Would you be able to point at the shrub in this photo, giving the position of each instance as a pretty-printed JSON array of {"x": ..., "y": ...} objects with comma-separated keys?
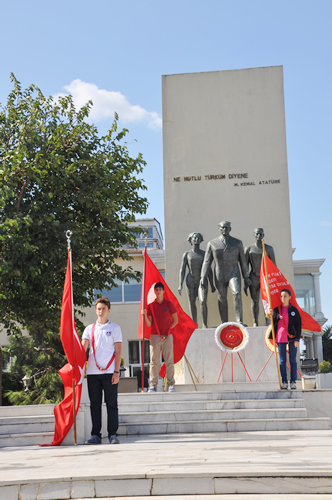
[{"x": 325, "y": 367}]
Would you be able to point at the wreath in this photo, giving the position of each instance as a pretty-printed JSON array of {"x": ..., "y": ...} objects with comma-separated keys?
[
  {"x": 269, "y": 340},
  {"x": 231, "y": 337}
]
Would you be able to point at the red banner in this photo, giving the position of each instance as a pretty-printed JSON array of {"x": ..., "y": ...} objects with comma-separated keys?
[
  {"x": 74, "y": 369},
  {"x": 185, "y": 327},
  {"x": 277, "y": 282}
]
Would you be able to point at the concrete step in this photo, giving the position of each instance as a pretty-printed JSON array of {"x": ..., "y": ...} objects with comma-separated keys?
[
  {"x": 26, "y": 424},
  {"x": 26, "y": 439},
  {"x": 232, "y": 386},
  {"x": 209, "y": 405},
  {"x": 143, "y": 397},
  {"x": 204, "y": 426},
  {"x": 27, "y": 410},
  {"x": 218, "y": 415}
]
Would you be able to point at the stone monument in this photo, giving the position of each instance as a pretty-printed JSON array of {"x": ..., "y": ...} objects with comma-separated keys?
[{"x": 224, "y": 148}]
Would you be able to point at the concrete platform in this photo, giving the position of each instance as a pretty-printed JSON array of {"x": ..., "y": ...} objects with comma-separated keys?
[{"x": 218, "y": 464}]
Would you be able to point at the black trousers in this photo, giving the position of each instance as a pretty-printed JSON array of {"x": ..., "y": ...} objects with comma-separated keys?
[{"x": 96, "y": 385}]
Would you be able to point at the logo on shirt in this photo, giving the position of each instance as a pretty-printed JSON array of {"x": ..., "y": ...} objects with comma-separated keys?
[
  {"x": 108, "y": 333},
  {"x": 292, "y": 313},
  {"x": 166, "y": 309}
]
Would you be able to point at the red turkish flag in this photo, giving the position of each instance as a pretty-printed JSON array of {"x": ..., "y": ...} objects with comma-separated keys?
[
  {"x": 185, "y": 327},
  {"x": 74, "y": 369},
  {"x": 277, "y": 282}
]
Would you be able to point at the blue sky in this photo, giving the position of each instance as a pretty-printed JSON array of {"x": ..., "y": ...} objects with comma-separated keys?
[{"x": 116, "y": 52}]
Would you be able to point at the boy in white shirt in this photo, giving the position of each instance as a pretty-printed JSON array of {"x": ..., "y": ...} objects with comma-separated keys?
[{"x": 104, "y": 339}]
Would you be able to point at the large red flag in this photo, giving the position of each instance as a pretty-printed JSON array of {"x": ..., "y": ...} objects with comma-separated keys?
[
  {"x": 185, "y": 327},
  {"x": 277, "y": 282},
  {"x": 75, "y": 367}
]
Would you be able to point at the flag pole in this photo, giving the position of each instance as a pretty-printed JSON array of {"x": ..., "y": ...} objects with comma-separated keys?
[
  {"x": 144, "y": 307},
  {"x": 271, "y": 315},
  {"x": 68, "y": 236}
]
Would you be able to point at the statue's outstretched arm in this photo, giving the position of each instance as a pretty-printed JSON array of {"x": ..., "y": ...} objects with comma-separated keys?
[
  {"x": 244, "y": 269},
  {"x": 213, "y": 288},
  {"x": 272, "y": 256},
  {"x": 247, "y": 256},
  {"x": 206, "y": 267},
  {"x": 182, "y": 271}
]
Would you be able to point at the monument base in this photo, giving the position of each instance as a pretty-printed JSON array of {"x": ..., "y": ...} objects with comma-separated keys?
[{"x": 206, "y": 359}]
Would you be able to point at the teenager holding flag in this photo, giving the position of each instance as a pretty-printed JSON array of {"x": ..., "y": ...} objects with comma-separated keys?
[
  {"x": 161, "y": 316},
  {"x": 180, "y": 331},
  {"x": 287, "y": 324}
]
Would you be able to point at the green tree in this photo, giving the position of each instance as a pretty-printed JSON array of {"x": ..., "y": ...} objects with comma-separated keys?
[
  {"x": 38, "y": 363},
  {"x": 327, "y": 343},
  {"x": 58, "y": 174}
]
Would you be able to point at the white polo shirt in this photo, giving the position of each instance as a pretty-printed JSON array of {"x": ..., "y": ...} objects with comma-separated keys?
[{"x": 106, "y": 336}]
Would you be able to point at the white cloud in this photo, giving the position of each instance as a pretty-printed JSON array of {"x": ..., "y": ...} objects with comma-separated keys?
[{"x": 106, "y": 103}]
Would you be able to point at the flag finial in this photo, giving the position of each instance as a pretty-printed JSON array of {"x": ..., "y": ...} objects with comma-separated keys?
[
  {"x": 68, "y": 236},
  {"x": 145, "y": 235}
]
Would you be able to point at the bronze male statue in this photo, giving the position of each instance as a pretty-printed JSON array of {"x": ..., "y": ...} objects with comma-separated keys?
[
  {"x": 227, "y": 253},
  {"x": 253, "y": 254},
  {"x": 194, "y": 261}
]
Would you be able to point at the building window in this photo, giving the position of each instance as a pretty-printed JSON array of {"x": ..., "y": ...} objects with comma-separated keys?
[
  {"x": 124, "y": 292},
  {"x": 135, "y": 356},
  {"x": 149, "y": 244},
  {"x": 114, "y": 295},
  {"x": 305, "y": 294},
  {"x": 132, "y": 291}
]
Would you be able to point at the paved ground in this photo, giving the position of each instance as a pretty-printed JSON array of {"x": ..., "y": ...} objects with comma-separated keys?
[
  {"x": 293, "y": 464},
  {"x": 229, "y": 497}
]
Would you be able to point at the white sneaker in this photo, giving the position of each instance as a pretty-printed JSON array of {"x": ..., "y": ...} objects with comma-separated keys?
[
  {"x": 293, "y": 385},
  {"x": 171, "y": 388},
  {"x": 284, "y": 385},
  {"x": 152, "y": 389}
]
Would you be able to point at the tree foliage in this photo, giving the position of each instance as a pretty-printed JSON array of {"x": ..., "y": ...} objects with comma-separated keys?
[
  {"x": 327, "y": 343},
  {"x": 58, "y": 174},
  {"x": 40, "y": 364}
]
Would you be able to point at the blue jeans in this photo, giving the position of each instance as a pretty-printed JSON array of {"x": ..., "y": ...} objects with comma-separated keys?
[{"x": 292, "y": 360}]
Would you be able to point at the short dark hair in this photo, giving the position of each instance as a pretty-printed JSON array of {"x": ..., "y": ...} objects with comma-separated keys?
[
  {"x": 159, "y": 285},
  {"x": 287, "y": 291},
  {"x": 103, "y": 300}
]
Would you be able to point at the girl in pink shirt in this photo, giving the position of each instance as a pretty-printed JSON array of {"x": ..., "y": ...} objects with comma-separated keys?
[{"x": 287, "y": 324}]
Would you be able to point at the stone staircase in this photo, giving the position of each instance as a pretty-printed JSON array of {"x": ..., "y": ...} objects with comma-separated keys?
[
  {"x": 215, "y": 411},
  {"x": 26, "y": 425},
  {"x": 216, "y": 408}
]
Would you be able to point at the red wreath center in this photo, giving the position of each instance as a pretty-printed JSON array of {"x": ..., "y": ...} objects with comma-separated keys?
[{"x": 231, "y": 336}]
